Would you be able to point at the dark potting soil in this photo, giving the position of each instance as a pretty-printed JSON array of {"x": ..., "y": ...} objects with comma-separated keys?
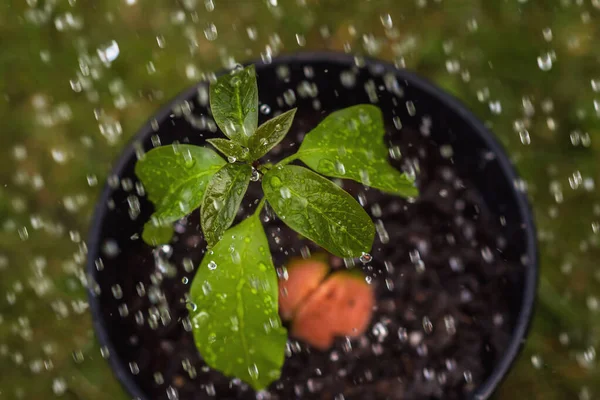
[{"x": 446, "y": 272}]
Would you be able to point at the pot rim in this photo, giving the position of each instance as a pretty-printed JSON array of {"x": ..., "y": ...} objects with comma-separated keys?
[{"x": 499, "y": 372}]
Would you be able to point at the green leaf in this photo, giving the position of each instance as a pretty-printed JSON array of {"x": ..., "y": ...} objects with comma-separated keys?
[
  {"x": 234, "y": 315},
  {"x": 319, "y": 210},
  {"x": 269, "y": 134},
  {"x": 232, "y": 150},
  {"x": 234, "y": 104},
  {"x": 156, "y": 233},
  {"x": 349, "y": 144},
  {"x": 223, "y": 196},
  {"x": 175, "y": 178}
]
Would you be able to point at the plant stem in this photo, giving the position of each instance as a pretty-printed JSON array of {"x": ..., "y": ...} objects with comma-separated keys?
[
  {"x": 260, "y": 206},
  {"x": 263, "y": 168},
  {"x": 287, "y": 160}
]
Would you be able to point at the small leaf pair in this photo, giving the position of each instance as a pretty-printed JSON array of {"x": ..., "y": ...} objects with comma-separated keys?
[
  {"x": 234, "y": 104},
  {"x": 267, "y": 136},
  {"x": 227, "y": 188}
]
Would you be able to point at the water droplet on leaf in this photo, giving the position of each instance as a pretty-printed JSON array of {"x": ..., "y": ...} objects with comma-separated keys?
[
  {"x": 275, "y": 182},
  {"x": 285, "y": 193},
  {"x": 340, "y": 168},
  {"x": 253, "y": 371}
]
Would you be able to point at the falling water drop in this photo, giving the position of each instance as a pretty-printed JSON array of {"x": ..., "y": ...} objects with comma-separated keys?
[
  {"x": 366, "y": 258},
  {"x": 290, "y": 97},
  {"x": 427, "y": 325},
  {"x": 544, "y": 62},
  {"x": 386, "y": 21},
  {"x": 109, "y": 52},
  {"x": 348, "y": 79},
  {"x": 59, "y": 386},
  {"x": 210, "y": 32},
  {"x": 134, "y": 368},
  {"x": 265, "y": 109},
  {"x": 524, "y": 136},
  {"x": 172, "y": 393},
  {"x": 536, "y": 361},
  {"x": 380, "y": 331},
  {"x": 300, "y": 39},
  {"x": 495, "y": 107}
]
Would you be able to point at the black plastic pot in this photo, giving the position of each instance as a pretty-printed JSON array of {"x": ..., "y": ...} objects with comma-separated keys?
[{"x": 475, "y": 155}]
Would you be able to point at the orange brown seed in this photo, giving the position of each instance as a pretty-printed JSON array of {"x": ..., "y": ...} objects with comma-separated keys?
[
  {"x": 304, "y": 276},
  {"x": 341, "y": 306},
  {"x": 356, "y": 306}
]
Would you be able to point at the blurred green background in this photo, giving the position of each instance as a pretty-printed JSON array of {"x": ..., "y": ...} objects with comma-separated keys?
[{"x": 529, "y": 68}]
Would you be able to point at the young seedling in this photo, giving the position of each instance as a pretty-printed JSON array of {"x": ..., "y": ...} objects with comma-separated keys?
[{"x": 234, "y": 295}]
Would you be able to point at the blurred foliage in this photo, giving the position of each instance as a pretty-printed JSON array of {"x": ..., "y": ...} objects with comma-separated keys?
[{"x": 66, "y": 116}]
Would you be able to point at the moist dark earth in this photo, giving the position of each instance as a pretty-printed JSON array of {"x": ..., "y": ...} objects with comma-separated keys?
[{"x": 446, "y": 272}]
